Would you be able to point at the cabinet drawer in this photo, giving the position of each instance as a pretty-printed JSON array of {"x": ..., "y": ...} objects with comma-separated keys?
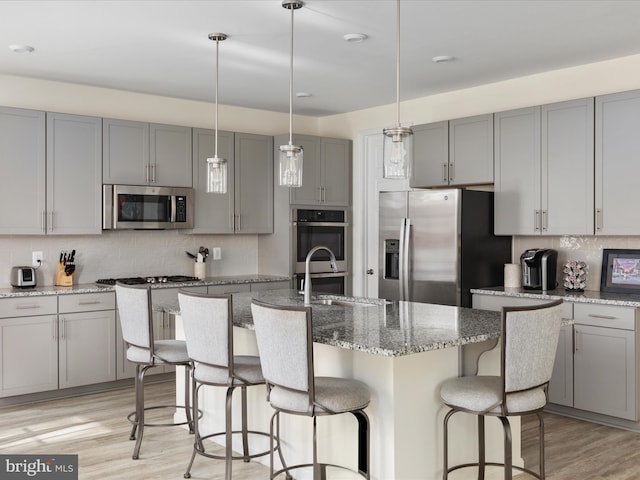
[
  {"x": 28, "y": 306},
  {"x": 87, "y": 302},
  {"x": 605, "y": 316}
]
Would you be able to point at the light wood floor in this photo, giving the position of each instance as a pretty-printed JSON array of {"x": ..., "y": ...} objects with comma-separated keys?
[{"x": 95, "y": 428}]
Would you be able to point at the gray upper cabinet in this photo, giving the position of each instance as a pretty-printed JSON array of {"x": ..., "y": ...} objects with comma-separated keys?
[
  {"x": 326, "y": 171},
  {"x": 49, "y": 173},
  {"x": 247, "y": 207},
  {"x": 74, "y": 171},
  {"x": 544, "y": 169},
  {"x": 22, "y": 159},
  {"x": 138, "y": 153},
  {"x": 454, "y": 152},
  {"x": 617, "y": 163}
]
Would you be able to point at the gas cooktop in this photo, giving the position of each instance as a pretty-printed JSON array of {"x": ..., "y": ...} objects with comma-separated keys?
[{"x": 150, "y": 280}]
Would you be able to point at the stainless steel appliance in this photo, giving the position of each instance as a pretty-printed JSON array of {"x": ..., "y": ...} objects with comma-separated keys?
[
  {"x": 144, "y": 207},
  {"x": 435, "y": 245},
  {"x": 539, "y": 269},
  {"x": 329, "y": 228},
  {"x": 23, "y": 277}
]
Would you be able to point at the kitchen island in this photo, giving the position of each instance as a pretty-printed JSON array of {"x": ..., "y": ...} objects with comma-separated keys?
[{"x": 403, "y": 351}]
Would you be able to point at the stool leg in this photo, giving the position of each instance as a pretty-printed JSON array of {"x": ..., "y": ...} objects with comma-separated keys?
[
  {"x": 197, "y": 441},
  {"x": 140, "y": 371},
  {"x": 481, "y": 448},
  {"x": 445, "y": 433},
  {"x": 508, "y": 460},
  {"x": 245, "y": 434},
  {"x": 136, "y": 388},
  {"x": 363, "y": 442},
  {"x": 541, "y": 446},
  {"x": 228, "y": 433},
  {"x": 187, "y": 394}
]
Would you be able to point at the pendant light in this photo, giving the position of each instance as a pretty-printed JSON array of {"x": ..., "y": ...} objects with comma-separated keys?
[
  {"x": 398, "y": 146},
  {"x": 216, "y": 166},
  {"x": 290, "y": 172}
]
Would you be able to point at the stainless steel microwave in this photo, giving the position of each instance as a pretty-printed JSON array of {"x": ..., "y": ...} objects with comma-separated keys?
[{"x": 146, "y": 208}]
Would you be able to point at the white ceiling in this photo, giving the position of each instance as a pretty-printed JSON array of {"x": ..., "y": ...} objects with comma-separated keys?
[{"x": 161, "y": 47}]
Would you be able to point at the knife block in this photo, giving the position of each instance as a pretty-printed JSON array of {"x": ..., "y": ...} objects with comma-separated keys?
[{"x": 61, "y": 279}]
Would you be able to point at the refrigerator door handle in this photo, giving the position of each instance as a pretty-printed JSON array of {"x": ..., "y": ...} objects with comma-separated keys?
[{"x": 404, "y": 258}]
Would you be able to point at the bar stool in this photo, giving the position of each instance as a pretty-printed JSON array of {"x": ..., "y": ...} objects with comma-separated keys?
[
  {"x": 528, "y": 346},
  {"x": 285, "y": 343},
  {"x": 136, "y": 320},
  {"x": 208, "y": 329}
]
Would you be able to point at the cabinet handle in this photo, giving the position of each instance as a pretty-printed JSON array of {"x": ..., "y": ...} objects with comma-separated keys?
[
  {"x": 545, "y": 220},
  {"x": 239, "y": 223},
  {"x": 146, "y": 173},
  {"x": 51, "y": 221},
  {"x": 536, "y": 220},
  {"x": 598, "y": 219},
  {"x": 444, "y": 172},
  {"x": 606, "y": 317},
  {"x": 576, "y": 340},
  {"x": 153, "y": 173},
  {"x": 89, "y": 302},
  {"x": 27, "y": 307},
  {"x": 55, "y": 330},
  {"x": 63, "y": 328},
  {"x": 319, "y": 197},
  {"x": 452, "y": 172},
  {"x": 43, "y": 222},
  {"x": 324, "y": 194}
]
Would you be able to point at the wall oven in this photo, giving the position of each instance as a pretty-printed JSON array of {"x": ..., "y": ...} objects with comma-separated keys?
[
  {"x": 329, "y": 228},
  {"x": 144, "y": 207}
]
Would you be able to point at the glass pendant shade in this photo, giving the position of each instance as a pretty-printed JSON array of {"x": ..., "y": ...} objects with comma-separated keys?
[
  {"x": 290, "y": 173},
  {"x": 397, "y": 154},
  {"x": 216, "y": 175}
]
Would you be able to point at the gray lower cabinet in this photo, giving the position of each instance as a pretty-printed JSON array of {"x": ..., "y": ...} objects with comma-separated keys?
[
  {"x": 87, "y": 339},
  {"x": 453, "y": 152},
  {"x": 561, "y": 384},
  {"x": 23, "y": 181},
  {"x": 616, "y": 163},
  {"x": 28, "y": 345},
  {"x": 605, "y": 360},
  {"x": 544, "y": 169},
  {"x": 247, "y": 207},
  {"x": 326, "y": 171},
  {"x": 139, "y": 153}
]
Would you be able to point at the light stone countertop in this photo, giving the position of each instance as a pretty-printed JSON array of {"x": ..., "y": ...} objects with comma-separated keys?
[
  {"x": 376, "y": 326},
  {"x": 94, "y": 288},
  {"x": 588, "y": 296}
]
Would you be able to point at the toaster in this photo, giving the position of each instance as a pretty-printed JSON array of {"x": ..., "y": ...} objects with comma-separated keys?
[{"x": 23, "y": 277}]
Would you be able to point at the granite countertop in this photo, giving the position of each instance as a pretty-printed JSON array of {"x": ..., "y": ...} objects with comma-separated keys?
[
  {"x": 588, "y": 296},
  {"x": 94, "y": 288},
  {"x": 376, "y": 326}
]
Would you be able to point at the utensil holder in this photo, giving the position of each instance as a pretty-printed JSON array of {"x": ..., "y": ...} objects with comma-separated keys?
[
  {"x": 199, "y": 270},
  {"x": 61, "y": 278}
]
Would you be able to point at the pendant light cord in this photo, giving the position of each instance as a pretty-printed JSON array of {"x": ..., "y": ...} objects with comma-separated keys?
[
  {"x": 216, "y": 120},
  {"x": 398, "y": 64},
  {"x": 291, "y": 84}
]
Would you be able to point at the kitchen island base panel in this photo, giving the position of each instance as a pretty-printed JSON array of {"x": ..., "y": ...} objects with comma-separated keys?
[{"x": 405, "y": 413}]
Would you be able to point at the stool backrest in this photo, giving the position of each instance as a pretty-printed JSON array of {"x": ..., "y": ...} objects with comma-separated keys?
[
  {"x": 285, "y": 345},
  {"x": 134, "y": 311},
  {"x": 208, "y": 328},
  {"x": 529, "y": 344}
]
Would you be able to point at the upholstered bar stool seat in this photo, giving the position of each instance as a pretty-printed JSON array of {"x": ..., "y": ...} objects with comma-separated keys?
[
  {"x": 208, "y": 329},
  {"x": 285, "y": 343},
  {"x": 136, "y": 320},
  {"x": 528, "y": 345}
]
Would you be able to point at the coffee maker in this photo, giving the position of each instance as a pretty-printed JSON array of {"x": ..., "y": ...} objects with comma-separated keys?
[{"x": 539, "y": 269}]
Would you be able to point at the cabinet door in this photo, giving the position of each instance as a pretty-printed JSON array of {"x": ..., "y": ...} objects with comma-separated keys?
[
  {"x": 253, "y": 185},
  {"x": 22, "y": 161},
  {"x": 170, "y": 156},
  {"x": 336, "y": 172},
  {"x": 567, "y": 168},
  {"x": 617, "y": 166},
  {"x": 74, "y": 171},
  {"x": 87, "y": 348},
  {"x": 471, "y": 150},
  {"x": 125, "y": 151},
  {"x": 214, "y": 212},
  {"x": 605, "y": 371},
  {"x": 561, "y": 384},
  {"x": 28, "y": 355},
  {"x": 430, "y": 155},
  {"x": 309, "y": 193},
  {"x": 517, "y": 172}
]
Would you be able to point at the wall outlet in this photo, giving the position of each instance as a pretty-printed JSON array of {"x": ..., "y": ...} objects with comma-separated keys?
[
  {"x": 36, "y": 259},
  {"x": 217, "y": 253}
]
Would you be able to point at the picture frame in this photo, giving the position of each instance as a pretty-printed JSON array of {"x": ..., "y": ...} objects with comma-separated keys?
[{"x": 620, "y": 271}]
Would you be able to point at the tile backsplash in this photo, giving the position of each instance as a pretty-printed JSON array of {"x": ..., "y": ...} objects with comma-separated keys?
[
  {"x": 129, "y": 253},
  {"x": 587, "y": 249}
]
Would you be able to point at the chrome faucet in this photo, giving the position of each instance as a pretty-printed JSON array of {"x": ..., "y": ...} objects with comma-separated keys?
[{"x": 307, "y": 275}]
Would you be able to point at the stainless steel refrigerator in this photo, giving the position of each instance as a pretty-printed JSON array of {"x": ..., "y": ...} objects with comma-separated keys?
[{"x": 435, "y": 245}]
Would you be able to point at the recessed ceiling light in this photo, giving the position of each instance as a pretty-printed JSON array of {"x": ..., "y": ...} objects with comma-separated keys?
[
  {"x": 442, "y": 59},
  {"x": 21, "y": 48},
  {"x": 355, "y": 37},
  {"x": 303, "y": 94}
]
